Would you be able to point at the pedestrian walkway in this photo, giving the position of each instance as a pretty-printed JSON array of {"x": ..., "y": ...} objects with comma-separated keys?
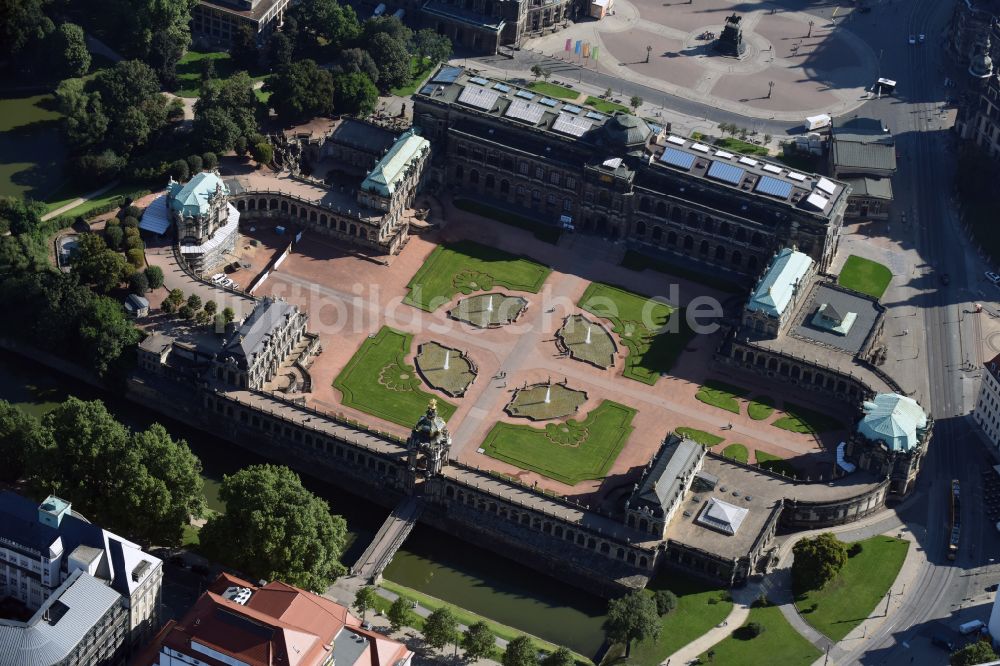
[
  {"x": 389, "y": 538},
  {"x": 80, "y": 201},
  {"x": 742, "y": 600}
]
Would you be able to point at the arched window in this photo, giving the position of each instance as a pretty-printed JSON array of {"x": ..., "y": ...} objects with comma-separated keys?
[
  {"x": 474, "y": 177},
  {"x": 657, "y": 234},
  {"x": 661, "y": 209},
  {"x": 640, "y": 228},
  {"x": 504, "y": 187},
  {"x": 671, "y": 238},
  {"x": 688, "y": 243},
  {"x": 720, "y": 253}
]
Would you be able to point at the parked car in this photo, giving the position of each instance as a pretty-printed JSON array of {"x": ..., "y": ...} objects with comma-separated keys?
[
  {"x": 912, "y": 39},
  {"x": 943, "y": 643},
  {"x": 992, "y": 277},
  {"x": 218, "y": 277},
  {"x": 921, "y": 37},
  {"x": 226, "y": 282},
  {"x": 971, "y": 626}
]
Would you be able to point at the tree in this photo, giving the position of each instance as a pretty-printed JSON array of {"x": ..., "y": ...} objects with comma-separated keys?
[
  {"x": 979, "y": 652},
  {"x": 767, "y": 139},
  {"x": 72, "y": 57},
  {"x": 392, "y": 60},
  {"x": 154, "y": 276},
  {"x": 665, "y": 601},
  {"x": 817, "y": 561},
  {"x": 356, "y": 61},
  {"x": 84, "y": 120},
  {"x": 22, "y": 23},
  {"x": 216, "y": 129},
  {"x": 131, "y": 99},
  {"x": 240, "y": 146},
  {"x": 166, "y": 49},
  {"x": 364, "y": 599},
  {"x": 228, "y": 315},
  {"x": 520, "y": 652},
  {"x": 441, "y": 628},
  {"x": 561, "y": 657},
  {"x": 211, "y": 307},
  {"x": 113, "y": 236},
  {"x": 244, "y": 48},
  {"x": 327, "y": 26},
  {"x": 635, "y": 102},
  {"x": 354, "y": 93},
  {"x": 386, "y": 25},
  {"x": 428, "y": 44},
  {"x": 20, "y": 216},
  {"x": 536, "y": 71},
  {"x": 300, "y": 90},
  {"x": 478, "y": 641},
  {"x": 279, "y": 49},
  {"x": 262, "y": 152},
  {"x": 97, "y": 265},
  {"x": 209, "y": 160},
  {"x": 185, "y": 312},
  {"x": 194, "y": 163},
  {"x": 16, "y": 432},
  {"x": 179, "y": 170},
  {"x": 274, "y": 528},
  {"x": 632, "y": 617},
  {"x": 138, "y": 283},
  {"x": 235, "y": 97},
  {"x": 168, "y": 307},
  {"x": 176, "y": 296},
  {"x": 194, "y": 302},
  {"x": 105, "y": 333},
  {"x": 135, "y": 257},
  {"x": 399, "y": 614}
]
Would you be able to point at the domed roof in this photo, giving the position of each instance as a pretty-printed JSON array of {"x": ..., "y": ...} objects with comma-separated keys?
[
  {"x": 981, "y": 64},
  {"x": 627, "y": 130}
]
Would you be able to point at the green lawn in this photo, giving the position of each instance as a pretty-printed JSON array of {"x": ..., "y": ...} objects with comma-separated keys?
[
  {"x": 642, "y": 326},
  {"x": 467, "y": 267},
  {"x": 721, "y": 395},
  {"x": 778, "y": 644},
  {"x": 554, "y": 90},
  {"x": 189, "y": 70},
  {"x": 378, "y": 381},
  {"x": 606, "y": 107},
  {"x": 806, "y": 421},
  {"x": 699, "y": 608},
  {"x": 636, "y": 261},
  {"x": 706, "y": 439},
  {"x": 543, "y": 232},
  {"x": 761, "y": 407},
  {"x": 868, "y": 277},
  {"x": 737, "y": 452},
  {"x": 740, "y": 146},
  {"x": 775, "y": 464},
  {"x": 857, "y": 590},
  {"x": 570, "y": 451},
  {"x": 114, "y": 195},
  {"x": 419, "y": 71}
]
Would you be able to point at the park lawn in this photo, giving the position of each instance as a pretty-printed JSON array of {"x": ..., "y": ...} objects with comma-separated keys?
[
  {"x": 467, "y": 267},
  {"x": 856, "y": 591},
  {"x": 775, "y": 464},
  {"x": 740, "y": 146},
  {"x": 463, "y": 616},
  {"x": 554, "y": 90},
  {"x": 605, "y": 106},
  {"x": 419, "y": 71},
  {"x": 778, "y": 644},
  {"x": 699, "y": 608},
  {"x": 864, "y": 275},
  {"x": 189, "y": 70},
  {"x": 806, "y": 421},
  {"x": 636, "y": 261},
  {"x": 570, "y": 451},
  {"x": 378, "y": 381},
  {"x": 544, "y": 232},
  {"x": 706, "y": 439},
  {"x": 114, "y": 195},
  {"x": 636, "y": 319},
  {"x": 737, "y": 452},
  {"x": 721, "y": 395},
  {"x": 761, "y": 407}
]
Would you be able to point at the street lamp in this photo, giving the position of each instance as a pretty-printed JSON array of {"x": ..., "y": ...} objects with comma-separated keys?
[
  {"x": 809, "y": 34},
  {"x": 770, "y": 87},
  {"x": 648, "y": 50}
]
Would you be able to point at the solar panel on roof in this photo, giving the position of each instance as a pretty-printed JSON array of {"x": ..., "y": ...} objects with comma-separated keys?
[
  {"x": 526, "y": 111},
  {"x": 794, "y": 175},
  {"x": 427, "y": 90},
  {"x": 677, "y": 158},
  {"x": 447, "y": 75},
  {"x": 480, "y": 98},
  {"x": 749, "y": 161},
  {"x": 524, "y": 94},
  {"x": 502, "y": 87},
  {"x": 594, "y": 115},
  {"x": 773, "y": 187},
  {"x": 727, "y": 173},
  {"x": 479, "y": 81},
  {"x": 547, "y": 101},
  {"x": 772, "y": 168},
  {"x": 571, "y": 125},
  {"x": 569, "y": 108},
  {"x": 827, "y": 185}
]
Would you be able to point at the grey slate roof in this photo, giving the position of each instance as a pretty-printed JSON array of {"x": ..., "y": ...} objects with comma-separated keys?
[
  {"x": 857, "y": 155},
  {"x": 249, "y": 338},
  {"x": 625, "y": 130},
  {"x": 663, "y": 483},
  {"x": 75, "y": 607},
  {"x": 863, "y": 130},
  {"x": 875, "y": 188},
  {"x": 363, "y": 136}
]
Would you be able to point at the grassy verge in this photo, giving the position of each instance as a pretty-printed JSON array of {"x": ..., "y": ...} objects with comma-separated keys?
[
  {"x": 114, "y": 195},
  {"x": 554, "y": 90},
  {"x": 779, "y": 643},
  {"x": 543, "y": 232},
  {"x": 761, "y": 407},
  {"x": 721, "y": 395},
  {"x": 855, "y": 592},
  {"x": 569, "y": 452},
  {"x": 806, "y": 421},
  {"x": 419, "y": 71},
  {"x": 636, "y": 261},
  {"x": 699, "y": 608},
  {"x": 740, "y": 146},
  {"x": 465, "y": 617},
  {"x": 467, "y": 267},
  {"x": 775, "y": 464},
  {"x": 737, "y": 452},
  {"x": 706, "y": 439},
  {"x": 642, "y": 326},
  {"x": 190, "y": 67},
  {"x": 868, "y": 277},
  {"x": 378, "y": 381},
  {"x": 605, "y": 106}
]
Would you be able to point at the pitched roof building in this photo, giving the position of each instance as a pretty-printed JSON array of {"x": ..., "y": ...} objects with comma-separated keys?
[
  {"x": 664, "y": 482},
  {"x": 239, "y": 624},
  {"x": 896, "y": 420}
]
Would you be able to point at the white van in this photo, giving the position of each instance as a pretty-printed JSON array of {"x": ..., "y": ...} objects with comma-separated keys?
[
  {"x": 379, "y": 10},
  {"x": 971, "y": 626},
  {"x": 816, "y": 122}
]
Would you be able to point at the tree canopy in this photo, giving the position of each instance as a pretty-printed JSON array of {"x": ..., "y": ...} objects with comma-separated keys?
[
  {"x": 978, "y": 652},
  {"x": 70, "y": 53},
  {"x": 274, "y": 528},
  {"x": 561, "y": 657},
  {"x": 430, "y": 45},
  {"x": 17, "y": 430},
  {"x": 300, "y": 90},
  {"x": 392, "y": 60},
  {"x": 399, "y": 614},
  {"x": 441, "y": 628},
  {"x": 632, "y": 617},
  {"x": 817, "y": 561},
  {"x": 520, "y": 652},
  {"x": 98, "y": 265},
  {"x": 354, "y": 93},
  {"x": 478, "y": 641},
  {"x": 364, "y": 599}
]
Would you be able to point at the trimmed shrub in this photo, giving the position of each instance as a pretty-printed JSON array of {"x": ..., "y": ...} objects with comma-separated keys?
[
  {"x": 209, "y": 161},
  {"x": 666, "y": 601},
  {"x": 136, "y": 258}
]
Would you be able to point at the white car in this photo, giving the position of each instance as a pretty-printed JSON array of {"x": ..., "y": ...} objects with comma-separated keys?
[
  {"x": 992, "y": 277},
  {"x": 226, "y": 282},
  {"x": 921, "y": 38},
  {"x": 912, "y": 40},
  {"x": 218, "y": 277}
]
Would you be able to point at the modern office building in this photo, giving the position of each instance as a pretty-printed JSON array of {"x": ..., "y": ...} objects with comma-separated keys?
[{"x": 219, "y": 21}]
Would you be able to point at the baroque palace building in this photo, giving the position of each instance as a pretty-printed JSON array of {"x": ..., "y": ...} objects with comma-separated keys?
[{"x": 622, "y": 177}]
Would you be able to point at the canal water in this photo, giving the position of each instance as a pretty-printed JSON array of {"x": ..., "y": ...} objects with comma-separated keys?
[{"x": 430, "y": 561}]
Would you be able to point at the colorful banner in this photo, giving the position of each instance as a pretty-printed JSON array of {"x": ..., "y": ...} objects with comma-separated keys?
[
  {"x": 569, "y": 45},
  {"x": 577, "y": 48},
  {"x": 586, "y": 49},
  {"x": 593, "y": 53}
]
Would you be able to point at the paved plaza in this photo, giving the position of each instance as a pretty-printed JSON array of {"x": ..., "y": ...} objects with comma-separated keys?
[{"x": 814, "y": 67}]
